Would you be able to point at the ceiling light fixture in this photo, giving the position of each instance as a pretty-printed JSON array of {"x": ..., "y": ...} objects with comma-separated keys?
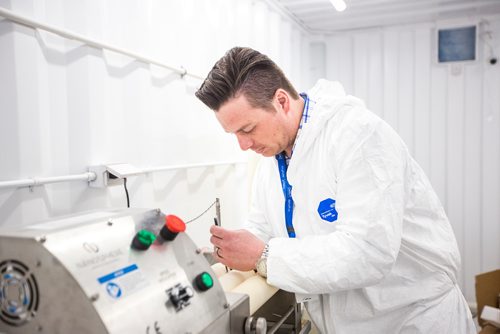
[{"x": 339, "y": 5}]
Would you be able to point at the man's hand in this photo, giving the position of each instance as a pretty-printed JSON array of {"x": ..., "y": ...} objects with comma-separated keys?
[{"x": 238, "y": 249}]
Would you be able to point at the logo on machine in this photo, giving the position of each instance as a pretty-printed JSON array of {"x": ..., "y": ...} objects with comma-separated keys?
[
  {"x": 99, "y": 259},
  {"x": 114, "y": 290},
  {"x": 90, "y": 247}
]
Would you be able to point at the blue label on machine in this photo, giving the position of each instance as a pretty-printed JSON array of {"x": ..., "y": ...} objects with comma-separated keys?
[{"x": 117, "y": 273}]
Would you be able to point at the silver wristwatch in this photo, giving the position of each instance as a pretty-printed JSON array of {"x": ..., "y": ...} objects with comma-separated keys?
[{"x": 261, "y": 265}]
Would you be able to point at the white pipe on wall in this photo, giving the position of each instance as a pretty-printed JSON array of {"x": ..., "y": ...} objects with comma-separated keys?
[
  {"x": 10, "y": 15},
  {"x": 91, "y": 176},
  {"x": 37, "y": 181}
]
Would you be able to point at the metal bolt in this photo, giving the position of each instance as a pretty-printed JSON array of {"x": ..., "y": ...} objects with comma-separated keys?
[
  {"x": 38, "y": 263},
  {"x": 94, "y": 297},
  {"x": 226, "y": 305},
  {"x": 110, "y": 222},
  {"x": 198, "y": 250},
  {"x": 42, "y": 239}
]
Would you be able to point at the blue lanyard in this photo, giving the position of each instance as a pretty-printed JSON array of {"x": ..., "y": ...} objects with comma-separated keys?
[
  {"x": 287, "y": 191},
  {"x": 282, "y": 166}
]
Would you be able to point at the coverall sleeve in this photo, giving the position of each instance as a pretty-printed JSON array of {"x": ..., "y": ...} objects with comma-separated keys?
[{"x": 370, "y": 167}]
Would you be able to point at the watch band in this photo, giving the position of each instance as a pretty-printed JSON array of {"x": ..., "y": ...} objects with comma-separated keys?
[
  {"x": 265, "y": 252},
  {"x": 261, "y": 265}
]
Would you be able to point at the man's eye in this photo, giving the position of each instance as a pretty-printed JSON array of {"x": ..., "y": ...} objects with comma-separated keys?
[{"x": 247, "y": 131}]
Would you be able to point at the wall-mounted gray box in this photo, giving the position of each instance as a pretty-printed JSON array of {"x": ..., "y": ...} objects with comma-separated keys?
[{"x": 457, "y": 44}]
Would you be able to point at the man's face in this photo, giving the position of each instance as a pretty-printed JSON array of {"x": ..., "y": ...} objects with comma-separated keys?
[{"x": 261, "y": 130}]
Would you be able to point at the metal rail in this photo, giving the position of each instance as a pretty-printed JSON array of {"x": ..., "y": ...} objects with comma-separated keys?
[
  {"x": 12, "y": 16},
  {"x": 277, "y": 325}
]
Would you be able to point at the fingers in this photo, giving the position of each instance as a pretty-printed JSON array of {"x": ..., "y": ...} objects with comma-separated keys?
[
  {"x": 218, "y": 252},
  {"x": 237, "y": 249},
  {"x": 217, "y": 231},
  {"x": 217, "y": 242},
  {"x": 218, "y": 256},
  {"x": 217, "y": 235},
  {"x": 217, "y": 239}
]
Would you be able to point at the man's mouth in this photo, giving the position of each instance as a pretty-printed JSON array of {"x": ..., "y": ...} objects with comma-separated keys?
[{"x": 259, "y": 150}]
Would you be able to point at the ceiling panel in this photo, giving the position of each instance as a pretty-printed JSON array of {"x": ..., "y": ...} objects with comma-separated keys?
[{"x": 319, "y": 16}]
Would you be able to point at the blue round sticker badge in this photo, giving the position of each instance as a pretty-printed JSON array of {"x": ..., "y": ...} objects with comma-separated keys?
[
  {"x": 326, "y": 210},
  {"x": 114, "y": 290}
]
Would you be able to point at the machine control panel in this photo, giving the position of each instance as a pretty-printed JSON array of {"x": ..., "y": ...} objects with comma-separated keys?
[{"x": 105, "y": 263}]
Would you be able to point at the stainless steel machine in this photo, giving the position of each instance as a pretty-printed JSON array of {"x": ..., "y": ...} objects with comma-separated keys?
[{"x": 121, "y": 271}]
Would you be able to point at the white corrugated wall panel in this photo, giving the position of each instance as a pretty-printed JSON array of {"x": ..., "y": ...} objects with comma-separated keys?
[
  {"x": 422, "y": 98},
  {"x": 490, "y": 166},
  {"x": 66, "y": 106}
]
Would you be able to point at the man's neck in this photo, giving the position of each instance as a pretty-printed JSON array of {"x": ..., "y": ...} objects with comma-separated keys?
[{"x": 297, "y": 109}]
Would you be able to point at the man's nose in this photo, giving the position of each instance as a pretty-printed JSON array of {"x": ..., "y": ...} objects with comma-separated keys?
[{"x": 245, "y": 142}]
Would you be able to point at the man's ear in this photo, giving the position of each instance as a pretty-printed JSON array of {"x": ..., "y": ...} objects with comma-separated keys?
[{"x": 283, "y": 99}]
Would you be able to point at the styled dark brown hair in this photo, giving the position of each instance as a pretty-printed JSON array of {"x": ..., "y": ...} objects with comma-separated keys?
[{"x": 244, "y": 71}]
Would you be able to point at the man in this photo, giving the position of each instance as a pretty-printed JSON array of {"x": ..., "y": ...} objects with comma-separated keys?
[{"x": 341, "y": 214}]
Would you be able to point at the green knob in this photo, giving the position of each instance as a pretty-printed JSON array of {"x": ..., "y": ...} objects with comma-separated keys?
[
  {"x": 143, "y": 239},
  {"x": 204, "y": 281}
]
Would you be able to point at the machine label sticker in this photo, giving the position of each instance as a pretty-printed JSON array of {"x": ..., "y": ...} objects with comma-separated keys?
[
  {"x": 327, "y": 211},
  {"x": 118, "y": 273},
  {"x": 123, "y": 282},
  {"x": 114, "y": 290}
]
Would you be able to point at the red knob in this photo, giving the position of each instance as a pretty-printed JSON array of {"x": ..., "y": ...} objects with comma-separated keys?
[{"x": 173, "y": 225}]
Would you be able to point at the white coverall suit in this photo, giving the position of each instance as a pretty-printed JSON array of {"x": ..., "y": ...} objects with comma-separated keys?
[{"x": 388, "y": 263}]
